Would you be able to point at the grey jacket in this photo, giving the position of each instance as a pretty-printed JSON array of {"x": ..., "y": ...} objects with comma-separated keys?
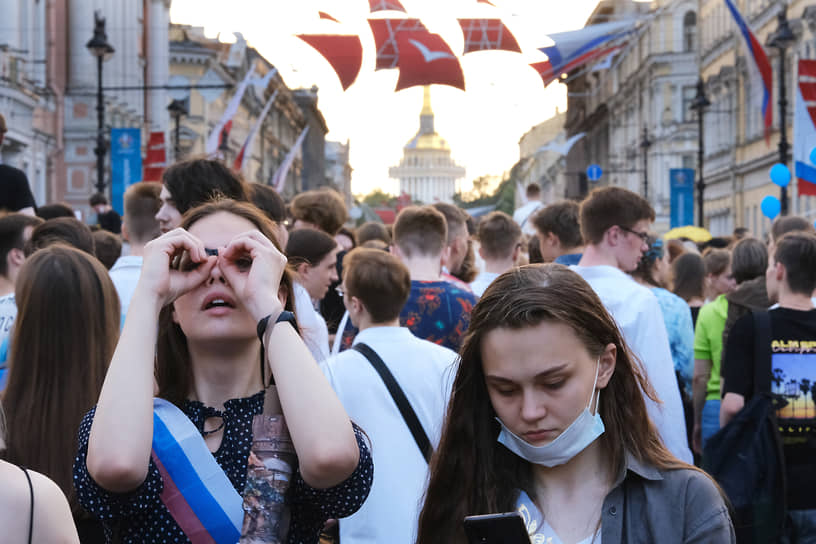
[{"x": 647, "y": 506}]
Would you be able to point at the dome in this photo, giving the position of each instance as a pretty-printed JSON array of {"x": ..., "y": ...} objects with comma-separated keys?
[{"x": 428, "y": 141}]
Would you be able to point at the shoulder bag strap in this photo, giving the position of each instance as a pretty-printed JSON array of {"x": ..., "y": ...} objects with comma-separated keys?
[
  {"x": 762, "y": 351},
  {"x": 31, "y": 500},
  {"x": 400, "y": 399}
]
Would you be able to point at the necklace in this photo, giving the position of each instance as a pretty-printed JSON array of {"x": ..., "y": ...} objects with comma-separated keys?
[{"x": 210, "y": 413}]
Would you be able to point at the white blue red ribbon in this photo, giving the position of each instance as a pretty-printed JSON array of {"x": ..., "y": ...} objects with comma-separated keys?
[{"x": 197, "y": 492}]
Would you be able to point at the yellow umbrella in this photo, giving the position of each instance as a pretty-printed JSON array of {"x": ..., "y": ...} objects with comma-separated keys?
[{"x": 695, "y": 234}]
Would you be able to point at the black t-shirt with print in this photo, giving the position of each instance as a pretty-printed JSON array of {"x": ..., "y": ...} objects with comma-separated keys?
[{"x": 793, "y": 383}]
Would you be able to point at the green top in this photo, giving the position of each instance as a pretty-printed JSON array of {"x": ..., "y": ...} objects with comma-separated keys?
[{"x": 708, "y": 344}]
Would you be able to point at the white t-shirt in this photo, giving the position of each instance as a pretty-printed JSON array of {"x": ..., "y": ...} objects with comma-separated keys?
[
  {"x": 312, "y": 325},
  {"x": 125, "y": 275},
  {"x": 425, "y": 372},
  {"x": 638, "y": 314},
  {"x": 482, "y": 281},
  {"x": 523, "y": 215}
]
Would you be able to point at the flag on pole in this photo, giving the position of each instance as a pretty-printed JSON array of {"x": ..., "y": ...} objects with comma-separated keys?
[
  {"x": 759, "y": 68},
  {"x": 804, "y": 127},
  {"x": 279, "y": 179},
  {"x": 221, "y": 130},
  {"x": 247, "y": 147},
  {"x": 156, "y": 159},
  {"x": 577, "y": 47}
]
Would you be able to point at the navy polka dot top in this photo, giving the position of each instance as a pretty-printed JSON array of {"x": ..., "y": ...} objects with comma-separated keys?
[{"x": 140, "y": 516}]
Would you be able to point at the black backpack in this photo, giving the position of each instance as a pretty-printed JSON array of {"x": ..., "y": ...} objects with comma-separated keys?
[{"x": 746, "y": 457}]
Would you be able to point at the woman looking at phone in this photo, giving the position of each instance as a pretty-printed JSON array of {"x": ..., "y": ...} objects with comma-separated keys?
[
  {"x": 206, "y": 286},
  {"x": 547, "y": 418}
]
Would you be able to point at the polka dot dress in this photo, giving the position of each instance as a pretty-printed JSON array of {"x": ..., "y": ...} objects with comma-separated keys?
[{"x": 140, "y": 516}]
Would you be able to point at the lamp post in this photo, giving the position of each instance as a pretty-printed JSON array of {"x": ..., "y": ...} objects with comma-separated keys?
[
  {"x": 699, "y": 105},
  {"x": 177, "y": 109},
  {"x": 781, "y": 39},
  {"x": 645, "y": 144},
  {"x": 102, "y": 50}
]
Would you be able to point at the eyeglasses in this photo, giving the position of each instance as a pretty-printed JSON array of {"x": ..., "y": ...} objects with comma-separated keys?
[{"x": 644, "y": 236}]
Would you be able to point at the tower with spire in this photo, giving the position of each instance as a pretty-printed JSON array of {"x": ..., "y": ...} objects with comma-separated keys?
[{"x": 427, "y": 172}]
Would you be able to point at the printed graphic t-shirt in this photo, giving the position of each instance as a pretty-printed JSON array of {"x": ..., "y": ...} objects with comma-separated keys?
[
  {"x": 436, "y": 311},
  {"x": 793, "y": 384}
]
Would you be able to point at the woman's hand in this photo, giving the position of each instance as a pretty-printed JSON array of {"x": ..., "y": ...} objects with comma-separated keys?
[
  {"x": 165, "y": 283},
  {"x": 253, "y": 266}
]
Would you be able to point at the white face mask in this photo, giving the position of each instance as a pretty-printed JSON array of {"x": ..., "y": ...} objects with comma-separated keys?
[{"x": 581, "y": 433}]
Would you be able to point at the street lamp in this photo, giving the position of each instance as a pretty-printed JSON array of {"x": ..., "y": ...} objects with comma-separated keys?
[
  {"x": 102, "y": 50},
  {"x": 177, "y": 109},
  {"x": 645, "y": 144},
  {"x": 781, "y": 39},
  {"x": 699, "y": 105}
]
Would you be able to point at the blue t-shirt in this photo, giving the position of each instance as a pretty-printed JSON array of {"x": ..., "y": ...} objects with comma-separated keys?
[
  {"x": 677, "y": 317},
  {"x": 436, "y": 311}
]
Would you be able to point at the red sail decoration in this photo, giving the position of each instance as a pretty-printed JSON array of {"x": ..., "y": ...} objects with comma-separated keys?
[
  {"x": 385, "y": 33},
  {"x": 324, "y": 15},
  {"x": 344, "y": 53},
  {"x": 487, "y": 35},
  {"x": 548, "y": 73},
  {"x": 385, "y": 5},
  {"x": 427, "y": 59}
]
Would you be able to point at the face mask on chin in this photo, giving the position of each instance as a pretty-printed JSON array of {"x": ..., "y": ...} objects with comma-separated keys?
[{"x": 581, "y": 433}]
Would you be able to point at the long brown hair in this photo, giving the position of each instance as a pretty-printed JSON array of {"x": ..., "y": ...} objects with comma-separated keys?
[
  {"x": 174, "y": 373},
  {"x": 63, "y": 340},
  {"x": 471, "y": 473}
]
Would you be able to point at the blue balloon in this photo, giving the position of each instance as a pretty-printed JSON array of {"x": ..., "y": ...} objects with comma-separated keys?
[
  {"x": 771, "y": 207},
  {"x": 780, "y": 174},
  {"x": 813, "y": 156}
]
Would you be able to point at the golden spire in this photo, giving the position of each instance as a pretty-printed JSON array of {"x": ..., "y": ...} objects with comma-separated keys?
[{"x": 426, "y": 101}]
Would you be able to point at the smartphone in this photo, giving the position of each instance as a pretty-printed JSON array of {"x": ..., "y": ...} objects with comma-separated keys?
[{"x": 507, "y": 528}]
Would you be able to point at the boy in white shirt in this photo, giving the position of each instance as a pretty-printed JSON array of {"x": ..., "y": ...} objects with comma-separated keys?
[
  {"x": 615, "y": 227},
  {"x": 499, "y": 247},
  {"x": 376, "y": 286}
]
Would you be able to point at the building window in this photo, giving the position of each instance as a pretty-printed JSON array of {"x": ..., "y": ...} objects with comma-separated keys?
[
  {"x": 689, "y": 92},
  {"x": 689, "y": 31}
]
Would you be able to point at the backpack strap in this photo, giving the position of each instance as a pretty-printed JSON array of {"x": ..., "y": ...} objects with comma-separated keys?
[
  {"x": 407, "y": 412},
  {"x": 762, "y": 351}
]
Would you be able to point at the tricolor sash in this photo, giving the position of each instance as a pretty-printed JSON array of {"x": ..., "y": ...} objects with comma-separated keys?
[{"x": 197, "y": 492}]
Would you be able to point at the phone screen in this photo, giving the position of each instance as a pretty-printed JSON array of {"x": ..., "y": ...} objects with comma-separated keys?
[{"x": 506, "y": 528}]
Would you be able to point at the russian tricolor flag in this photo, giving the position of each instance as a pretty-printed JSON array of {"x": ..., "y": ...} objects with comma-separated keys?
[
  {"x": 575, "y": 48},
  {"x": 759, "y": 66},
  {"x": 197, "y": 492}
]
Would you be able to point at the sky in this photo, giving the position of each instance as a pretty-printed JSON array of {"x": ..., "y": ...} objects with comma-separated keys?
[{"x": 503, "y": 100}]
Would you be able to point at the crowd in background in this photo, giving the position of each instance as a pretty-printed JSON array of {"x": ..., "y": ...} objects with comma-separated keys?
[{"x": 582, "y": 393}]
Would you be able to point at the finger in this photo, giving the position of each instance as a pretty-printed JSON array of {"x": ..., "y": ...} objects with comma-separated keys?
[
  {"x": 186, "y": 281},
  {"x": 179, "y": 240},
  {"x": 250, "y": 241}
]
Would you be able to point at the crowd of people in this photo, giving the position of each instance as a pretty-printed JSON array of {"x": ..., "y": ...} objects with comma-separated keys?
[{"x": 566, "y": 363}]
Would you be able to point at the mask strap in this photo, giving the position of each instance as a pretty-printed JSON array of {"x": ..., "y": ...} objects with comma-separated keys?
[{"x": 597, "y": 371}]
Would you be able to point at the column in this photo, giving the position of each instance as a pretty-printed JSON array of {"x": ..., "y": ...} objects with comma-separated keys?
[{"x": 158, "y": 63}]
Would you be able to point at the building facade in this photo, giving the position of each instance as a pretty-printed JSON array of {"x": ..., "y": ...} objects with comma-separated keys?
[
  {"x": 427, "y": 172},
  {"x": 203, "y": 62},
  {"x": 635, "y": 111},
  {"x": 48, "y": 83},
  {"x": 338, "y": 169},
  {"x": 545, "y": 168},
  {"x": 738, "y": 157}
]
